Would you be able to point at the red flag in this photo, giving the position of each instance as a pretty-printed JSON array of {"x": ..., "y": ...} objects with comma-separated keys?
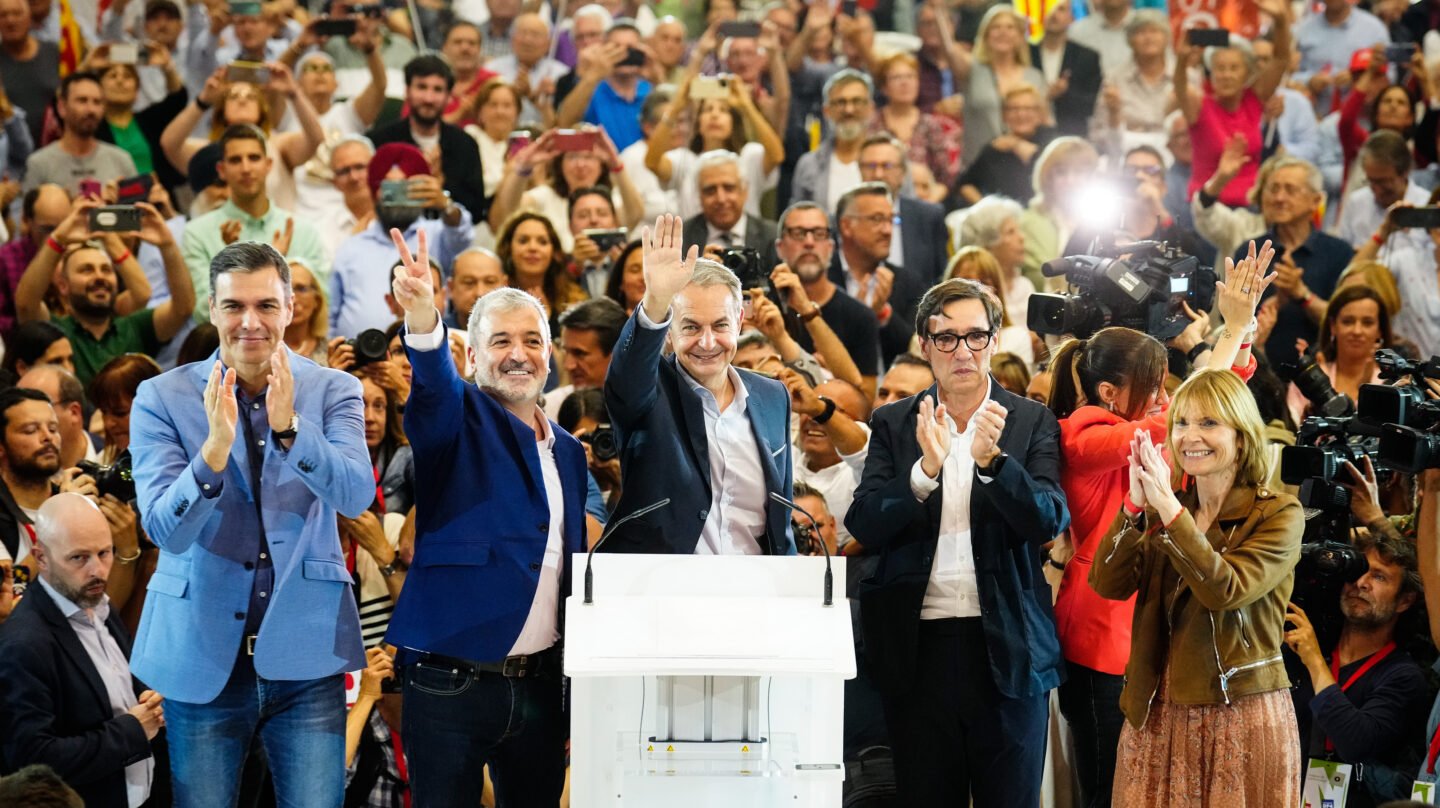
[{"x": 72, "y": 43}]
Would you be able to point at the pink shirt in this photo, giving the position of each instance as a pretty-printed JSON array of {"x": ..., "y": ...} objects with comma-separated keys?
[{"x": 1208, "y": 135}]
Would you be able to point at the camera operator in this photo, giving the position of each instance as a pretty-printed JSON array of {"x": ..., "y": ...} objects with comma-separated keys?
[
  {"x": 1356, "y": 324},
  {"x": 1366, "y": 700},
  {"x": 375, "y": 767}
]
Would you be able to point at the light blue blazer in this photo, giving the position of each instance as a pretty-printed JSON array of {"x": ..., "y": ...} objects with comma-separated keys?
[{"x": 194, "y": 618}]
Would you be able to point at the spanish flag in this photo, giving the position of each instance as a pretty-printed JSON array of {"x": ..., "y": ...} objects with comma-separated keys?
[
  {"x": 72, "y": 42},
  {"x": 1035, "y": 11}
]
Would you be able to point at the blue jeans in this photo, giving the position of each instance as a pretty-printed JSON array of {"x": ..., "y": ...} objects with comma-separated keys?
[
  {"x": 457, "y": 721},
  {"x": 301, "y": 726}
]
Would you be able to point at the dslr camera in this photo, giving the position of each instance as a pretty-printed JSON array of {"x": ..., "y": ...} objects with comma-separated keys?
[
  {"x": 114, "y": 479},
  {"x": 369, "y": 345}
]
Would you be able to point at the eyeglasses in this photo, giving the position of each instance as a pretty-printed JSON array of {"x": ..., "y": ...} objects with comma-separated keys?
[
  {"x": 876, "y": 219},
  {"x": 882, "y": 166},
  {"x": 841, "y": 103},
  {"x": 948, "y": 341},
  {"x": 799, "y": 233}
]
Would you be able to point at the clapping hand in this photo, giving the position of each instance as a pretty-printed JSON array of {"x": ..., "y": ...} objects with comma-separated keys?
[
  {"x": 667, "y": 269},
  {"x": 1154, "y": 478},
  {"x": 222, "y": 412},
  {"x": 989, "y": 425},
  {"x": 280, "y": 397},
  {"x": 932, "y": 432},
  {"x": 1137, "y": 486}
]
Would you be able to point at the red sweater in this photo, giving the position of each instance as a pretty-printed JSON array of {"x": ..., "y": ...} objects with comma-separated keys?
[{"x": 1095, "y": 445}]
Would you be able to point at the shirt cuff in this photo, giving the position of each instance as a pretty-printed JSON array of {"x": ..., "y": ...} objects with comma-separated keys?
[
  {"x": 646, "y": 322},
  {"x": 210, "y": 483},
  {"x": 920, "y": 485},
  {"x": 430, "y": 341}
]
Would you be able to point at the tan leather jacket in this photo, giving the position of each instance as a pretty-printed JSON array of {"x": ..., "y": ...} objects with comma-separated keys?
[{"x": 1211, "y": 605}]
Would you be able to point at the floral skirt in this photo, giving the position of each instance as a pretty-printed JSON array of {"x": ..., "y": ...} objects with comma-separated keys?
[{"x": 1244, "y": 755}]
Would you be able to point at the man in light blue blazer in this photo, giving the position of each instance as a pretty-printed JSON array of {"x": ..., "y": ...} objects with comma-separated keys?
[{"x": 241, "y": 464}]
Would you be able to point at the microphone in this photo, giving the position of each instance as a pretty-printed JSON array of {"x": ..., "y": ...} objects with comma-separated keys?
[
  {"x": 605, "y": 534},
  {"x": 829, "y": 576}
]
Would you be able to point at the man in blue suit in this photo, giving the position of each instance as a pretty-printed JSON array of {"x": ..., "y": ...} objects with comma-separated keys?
[
  {"x": 693, "y": 428},
  {"x": 241, "y": 464},
  {"x": 499, "y": 513}
]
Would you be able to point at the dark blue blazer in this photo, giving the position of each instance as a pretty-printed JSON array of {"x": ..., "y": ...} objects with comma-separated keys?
[
  {"x": 481, "y": 517},
  {"x": 56, "y": 710},
  {"x": 1010, "y": 517},
  {"x": 664, "y": 451},
  {"x": 924, "y": 238}
]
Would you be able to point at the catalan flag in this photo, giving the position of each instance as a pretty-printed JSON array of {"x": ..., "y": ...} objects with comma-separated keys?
[
  {"x": 1035, "y": 11},
  {"x": 72, "y": 42}
]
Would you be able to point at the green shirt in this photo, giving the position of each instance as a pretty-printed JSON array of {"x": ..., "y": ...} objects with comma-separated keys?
[
  {"x": 203, "y": 241},
  {"x": 133, "y": 141},
  {"x": 133, "y": 333}
]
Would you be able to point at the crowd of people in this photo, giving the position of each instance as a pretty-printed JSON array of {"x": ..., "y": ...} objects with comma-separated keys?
[{"x": 332, "y": 334}]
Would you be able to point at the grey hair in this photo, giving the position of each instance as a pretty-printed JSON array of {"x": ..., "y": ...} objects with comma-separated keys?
[
  {"x": 246, "y": 257},
  {"x": 499, "y": 301},
  {"x": 1239, "y": 44},
  {"x": 846, "y": 76},
  {"x": 803, "y": 204},
  {"x": 1388, "y": 147},
  {"x": 1061, "y": 149},
  {"x": 846, "y": 205},
  {"x": 716, "y": 157},
  {"x": 1146, "y": 18},
  {"x": 360, "y": 139},
  {"x": 1313, "y": 177},
  {"x": 485, "y": 251},
  {"x": 594, "y": 10},
  {"x": 714, "y": 273},
  {"x": 986, "y": 219}
]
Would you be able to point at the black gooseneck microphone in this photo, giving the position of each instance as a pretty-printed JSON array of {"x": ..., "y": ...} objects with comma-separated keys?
[
  {"x": 610, "y": 528},
  {"x": 829, "y": 576}
]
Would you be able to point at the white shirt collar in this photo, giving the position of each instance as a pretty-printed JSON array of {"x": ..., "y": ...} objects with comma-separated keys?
[
  {"x": 69, "y": 608},
  {"x": 707, "y": 398},
  {"x": 738, "y": 230}
]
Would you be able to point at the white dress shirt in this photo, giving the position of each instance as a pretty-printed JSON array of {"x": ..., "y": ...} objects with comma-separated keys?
[
  {"x": 738, "y": 494},
  {"x": 836, "y": 483},
  {"x": 114, "y": 670},
  {"x": 953, "y": 590},
  {"x": 715, "y": 235},
  {"x": 541, "y": 629}
]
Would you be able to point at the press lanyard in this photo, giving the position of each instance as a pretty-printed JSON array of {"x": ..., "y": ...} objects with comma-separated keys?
[
  {"x": 1354, "y": 677},
  {"x": 400, "y": 766}
]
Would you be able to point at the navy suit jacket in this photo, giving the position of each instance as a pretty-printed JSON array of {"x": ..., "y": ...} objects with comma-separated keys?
[
  {"x": 664, "y": 451},
  {"x": 1011, "y": 516},
  {"x": 924, "y": 238},
  {"x": 482, "y": 517},
  {"x": 56, "y": 710},
  {"x": 1076, "y": 105},
  {"x": 760, "y": 234}
]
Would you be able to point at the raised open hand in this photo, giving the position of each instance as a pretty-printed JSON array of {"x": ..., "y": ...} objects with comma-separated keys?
[
  {"x": 666, "y": 267},
  {"x": 1239, "y": 296}
]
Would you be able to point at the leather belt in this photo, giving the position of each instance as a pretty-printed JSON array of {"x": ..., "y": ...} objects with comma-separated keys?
[{"x": 545, "y": 662}]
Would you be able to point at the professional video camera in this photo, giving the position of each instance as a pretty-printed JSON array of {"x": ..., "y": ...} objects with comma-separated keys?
[
  {"x": 1406, "y": 416},
  {"x": 1139, "y": 285}
]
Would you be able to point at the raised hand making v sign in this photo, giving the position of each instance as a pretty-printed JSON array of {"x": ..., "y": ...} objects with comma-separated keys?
[{"x": 412, "y": 287}]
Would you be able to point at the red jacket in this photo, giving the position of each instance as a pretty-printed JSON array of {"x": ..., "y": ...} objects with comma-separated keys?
[{"x": 1095, "y": 453}]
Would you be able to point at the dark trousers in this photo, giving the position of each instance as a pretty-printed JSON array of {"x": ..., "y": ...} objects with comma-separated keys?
[
  {"x": 1090, "y": 702},
  {"x": 954, "y": 734},
  {"x": 457, "y": 721}
]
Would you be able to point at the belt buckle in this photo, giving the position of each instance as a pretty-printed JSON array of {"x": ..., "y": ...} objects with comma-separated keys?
[
  {"x": 250, "y": 644},
  {"x": 514, "y": 667}
]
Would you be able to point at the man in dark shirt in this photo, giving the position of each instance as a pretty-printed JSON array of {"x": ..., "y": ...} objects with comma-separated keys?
[
  {"x": 1307, "y": 261},
  {"x": 29, "y": 68},
  {"x": 428, "y": 84},
  {"x": 1366, "y": 704},
  {"x": 806, "y": 245}
]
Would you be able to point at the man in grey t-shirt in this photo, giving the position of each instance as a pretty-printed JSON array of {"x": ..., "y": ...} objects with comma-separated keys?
[{"x": 78, "y": 155}]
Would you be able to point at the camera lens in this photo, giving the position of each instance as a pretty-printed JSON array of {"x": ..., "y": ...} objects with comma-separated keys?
[{"x": 370, "y": 346}]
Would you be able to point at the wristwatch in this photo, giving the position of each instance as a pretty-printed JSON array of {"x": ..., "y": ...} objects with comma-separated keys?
[
  {"x": 811, "y": 313},
  {"x": 997, "y": 463},
  {"x": 289, "y": 434},
  {"x": 824, "y": 417},
  {"x": 1193, "y": 353},
  {"x": 397, "y": 564}
]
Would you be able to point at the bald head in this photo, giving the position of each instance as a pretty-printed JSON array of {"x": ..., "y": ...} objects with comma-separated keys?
[
  {"x": 847, "y": 397},
  {"x": 52, "y": 204},
  {"x": 75, "y": 550},
  {"x": 529, "y": 38}
]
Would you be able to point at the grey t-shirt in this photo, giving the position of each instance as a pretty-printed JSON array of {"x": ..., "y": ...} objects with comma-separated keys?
[
  {"x": 53, "y": 164},
  {"x": 30, "y": 85}
]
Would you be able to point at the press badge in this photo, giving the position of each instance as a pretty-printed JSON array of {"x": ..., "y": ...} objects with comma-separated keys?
[
  {"x": 1423, "y": 792},
  {"x": 1327, "y": 783}
]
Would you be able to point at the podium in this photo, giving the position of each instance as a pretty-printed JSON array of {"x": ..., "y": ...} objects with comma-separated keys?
[{"x": 707, "y": 681}]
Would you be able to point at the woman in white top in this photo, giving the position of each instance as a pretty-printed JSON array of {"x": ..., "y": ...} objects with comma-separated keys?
[
  {"x": 978, "y": 264},
  {"x": 994, "y": 224},
  {"x": 720, "y": 123},
  {"x": 497, "y": 108},
  {"x": 566, "y": 171},
  {"x": 241, "y": 103}
]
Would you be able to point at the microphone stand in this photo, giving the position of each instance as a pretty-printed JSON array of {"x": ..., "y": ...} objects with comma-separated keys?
[
  {"x": 610, "y": 528},
  {"x": 815, "y": 526}
]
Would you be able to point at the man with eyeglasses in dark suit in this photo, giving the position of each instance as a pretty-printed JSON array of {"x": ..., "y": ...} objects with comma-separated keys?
[{"x": 961, "y": 488}]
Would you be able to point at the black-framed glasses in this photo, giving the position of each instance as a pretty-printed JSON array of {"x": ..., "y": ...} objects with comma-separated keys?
[
  {"x": 948, "y": 341},
  {"x": 799, "y": 233}
]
